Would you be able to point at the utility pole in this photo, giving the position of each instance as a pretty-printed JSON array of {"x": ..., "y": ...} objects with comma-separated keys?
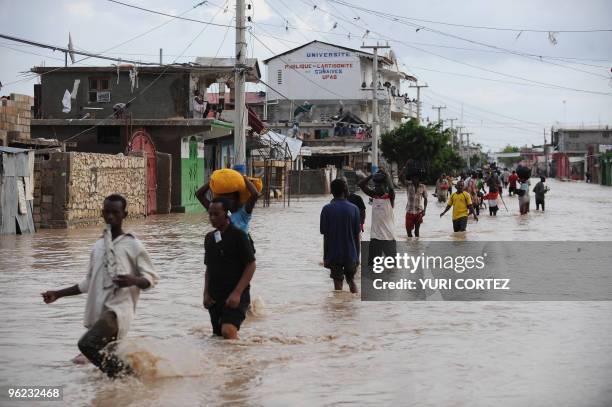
[
  {"x": 375, "y": 123},
  {"x": 545, "y": 154},
  {"x": 452, "y": 131},
  {"x": 467, "y": 155},
  {"x": 460, "y": 138},
  {"x": 418, "y": 88},
  {"x": 161, "y": 54},
  {"x": 240, "y": 116},
  {"x": 439, "y": 108}
]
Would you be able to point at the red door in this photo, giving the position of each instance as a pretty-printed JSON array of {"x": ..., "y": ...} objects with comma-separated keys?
[{"x": 141, "y": 141}]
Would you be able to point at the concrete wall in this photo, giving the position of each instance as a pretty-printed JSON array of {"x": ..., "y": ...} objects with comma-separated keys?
[
  {"x": 166, "y": 140},
  {"x": 570, "y": 140},
  {"x": 15, "y": 115},
  {"x": 169, "y": 97},
  {"x": 70, "y": 187},
  {"x": 310, "y": 182}
]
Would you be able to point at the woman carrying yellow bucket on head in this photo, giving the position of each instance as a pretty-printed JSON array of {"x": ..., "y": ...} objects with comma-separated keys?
[{"x": 242, "y": 192}]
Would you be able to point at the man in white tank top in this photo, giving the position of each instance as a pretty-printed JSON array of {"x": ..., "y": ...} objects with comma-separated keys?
[{"x": 382, "y": 238}]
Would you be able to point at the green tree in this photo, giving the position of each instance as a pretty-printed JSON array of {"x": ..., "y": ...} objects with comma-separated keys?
[
  {"x": 446, "y": 161},
  {"x": 478, "y": 160},
  {"x": 427, "y": 145},
  {"x": 509, "y": 161}
]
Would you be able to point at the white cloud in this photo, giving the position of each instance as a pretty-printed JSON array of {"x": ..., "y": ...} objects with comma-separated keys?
[{"x": 79, "y": 8}]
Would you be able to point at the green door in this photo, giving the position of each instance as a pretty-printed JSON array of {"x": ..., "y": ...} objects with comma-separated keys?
[
  {"x": 606, "y": 169},
  {"x": 192, "y": 173}
]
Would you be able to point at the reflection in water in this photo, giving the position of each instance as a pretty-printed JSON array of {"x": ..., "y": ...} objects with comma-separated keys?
[{"x": 303, "y": 341}]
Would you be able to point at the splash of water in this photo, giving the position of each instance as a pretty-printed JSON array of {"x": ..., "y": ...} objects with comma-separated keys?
[
  {"x": 257, "y": 308},
  {"x": 155, "y": 359}
]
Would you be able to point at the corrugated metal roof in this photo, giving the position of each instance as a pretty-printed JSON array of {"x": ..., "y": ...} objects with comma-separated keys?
[{"x": 12, "y": 150}]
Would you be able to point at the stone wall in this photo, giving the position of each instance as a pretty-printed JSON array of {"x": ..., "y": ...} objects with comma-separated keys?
[
  {"x": 15, "y": 116},
  {"x": 70, "y": 187}
]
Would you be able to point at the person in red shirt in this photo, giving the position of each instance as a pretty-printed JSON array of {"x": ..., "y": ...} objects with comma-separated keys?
[{"x": 512, "y": 181}]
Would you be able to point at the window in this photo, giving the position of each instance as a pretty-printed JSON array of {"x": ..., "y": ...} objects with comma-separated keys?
[
  {"x": 109, "y": 135},
  {"x": 99, "y": 89},
  {"x": 279, "y": 77}
]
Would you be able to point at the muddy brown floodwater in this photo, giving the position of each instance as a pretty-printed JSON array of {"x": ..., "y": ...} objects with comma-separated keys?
[{"x": 305, "y": 344}]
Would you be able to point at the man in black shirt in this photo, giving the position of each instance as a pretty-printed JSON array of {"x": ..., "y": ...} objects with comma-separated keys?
[
  {"x": 357, "y": 201},
  {"x": 230, "y": 265}
]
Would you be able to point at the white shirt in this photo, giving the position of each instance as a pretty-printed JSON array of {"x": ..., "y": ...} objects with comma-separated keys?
[
  {"x": 382, "y": 219},
  {"x": 102, "y": 294},
  {"x": 198, "y": 108},
  {"x": 416, "y": 201}
]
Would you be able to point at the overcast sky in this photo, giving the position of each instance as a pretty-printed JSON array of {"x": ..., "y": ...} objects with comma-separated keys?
[{"x": 505, "y": 98}]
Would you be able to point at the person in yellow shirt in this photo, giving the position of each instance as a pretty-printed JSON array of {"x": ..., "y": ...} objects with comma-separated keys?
[{"x": 462, "y": 206}]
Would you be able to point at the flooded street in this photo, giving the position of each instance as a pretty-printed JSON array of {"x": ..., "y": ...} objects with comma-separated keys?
[{"x": 304, "y": 344}]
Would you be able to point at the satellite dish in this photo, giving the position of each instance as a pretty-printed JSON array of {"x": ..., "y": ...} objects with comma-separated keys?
[{"x": 70, "y": 48}]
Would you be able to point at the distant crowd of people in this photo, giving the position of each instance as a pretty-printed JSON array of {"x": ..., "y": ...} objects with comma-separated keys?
[{"x": 342, "y": 220}]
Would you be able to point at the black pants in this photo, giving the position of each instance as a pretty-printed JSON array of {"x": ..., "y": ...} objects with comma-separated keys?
[
  {"x": 103, "y": 332},
  {"x": 340, "y": 272},
  {"x": 378, "y": 247},
  {"x": 220, "y": 314},
  {"x": 460, "y": 224},
  {"x": 538, "y": 203},
  {"x": 493, "y": 210}
]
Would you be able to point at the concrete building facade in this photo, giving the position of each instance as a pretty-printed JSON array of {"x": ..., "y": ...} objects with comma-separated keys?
[
  {"x": 126, "y": 109},
  {"x": 335, "y": 80},
  {"x": 329, "y": 88},
  {"x": 577, "y": 151}
]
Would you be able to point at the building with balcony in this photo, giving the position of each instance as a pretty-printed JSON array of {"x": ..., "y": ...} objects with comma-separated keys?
[
  {"x": 322, "y": 93},
  {"x": 126, "y": 108}
]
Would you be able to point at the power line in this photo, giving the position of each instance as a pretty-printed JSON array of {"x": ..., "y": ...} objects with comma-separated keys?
[
  {"x": 281, "y": 16},
  {"x": 485, "y": 110},
  {"x": 31, "y": 53},
  {"x": 513, "y": 52},
  {"x": 480, "y": 27},
  {"x": 529, "y": 131},
  {"x": 170, "y": 15},
  {"x": 99, "y": 55},
  {"x": 479, "y": 77},
  {"x": 526, "y": 130},
  {"x": 350, "y": 34},
  {"x": 459, "y": 108},
  {"x": 152, "y": 82},
  {"x": 325, "y": 32},
  {"x": 481, "y": 68},
  {"x": 222, "y": 42}
]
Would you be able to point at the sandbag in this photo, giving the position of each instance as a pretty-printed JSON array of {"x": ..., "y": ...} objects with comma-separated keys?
[
  {"x": 226, "y": 181},
  {"x": 245, "y": 194}
]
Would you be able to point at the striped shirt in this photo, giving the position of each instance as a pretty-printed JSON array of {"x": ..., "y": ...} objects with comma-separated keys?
[{"x": 415, "y": 198}]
